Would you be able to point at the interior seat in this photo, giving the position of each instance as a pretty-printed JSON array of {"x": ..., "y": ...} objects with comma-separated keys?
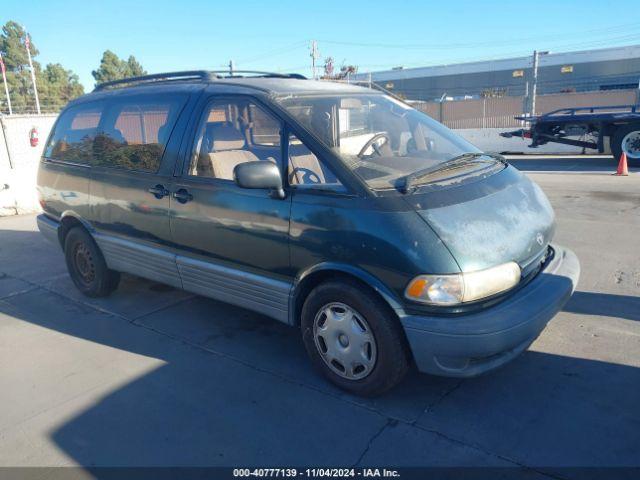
[{"x": 228, "y": 150}]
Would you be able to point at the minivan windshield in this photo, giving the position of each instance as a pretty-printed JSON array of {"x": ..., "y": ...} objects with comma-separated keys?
[{"x": 382, "y": 139}]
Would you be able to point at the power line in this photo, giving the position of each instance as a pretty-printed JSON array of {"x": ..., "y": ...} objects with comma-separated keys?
[
  {"x": 450, "y": 46},
  {"x": 273, "y": 53}
]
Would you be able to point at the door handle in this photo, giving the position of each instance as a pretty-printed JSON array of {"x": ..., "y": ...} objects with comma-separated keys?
[
  {"x": 158, "y": 191},
  {"x": 182, "y": 195}
]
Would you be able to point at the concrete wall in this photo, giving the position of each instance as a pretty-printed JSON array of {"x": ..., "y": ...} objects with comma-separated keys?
[
  {"x": 19, "y": 161},
  {"x": 489, "y": 140}
]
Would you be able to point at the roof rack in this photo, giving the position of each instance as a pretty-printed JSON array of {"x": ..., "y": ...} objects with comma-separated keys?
[
  {"x": 157, "y": 77},
  {"x": 202, "y": 75},
  {"x": 255, "y": 73}
]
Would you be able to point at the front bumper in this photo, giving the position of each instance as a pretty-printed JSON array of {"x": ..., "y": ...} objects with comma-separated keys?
[{"x": 472, "y": 344}]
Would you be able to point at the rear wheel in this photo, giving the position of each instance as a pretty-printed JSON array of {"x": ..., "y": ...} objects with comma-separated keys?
[
  {"x": 87, "y": 266},
  {"x": 626, "y": 139},
  {"x": 353, "y": 338}
]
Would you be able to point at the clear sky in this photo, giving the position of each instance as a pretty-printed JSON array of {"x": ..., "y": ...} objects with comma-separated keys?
[{"x": 275, "y": 35}]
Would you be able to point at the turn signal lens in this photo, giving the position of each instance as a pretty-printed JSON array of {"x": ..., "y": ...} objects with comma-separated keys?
[
  {"x": 463, "y": 287},
  {"x": 436, "y": 289}
]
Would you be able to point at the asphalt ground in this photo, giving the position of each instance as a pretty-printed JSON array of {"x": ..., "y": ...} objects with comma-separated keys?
[{"x": 153, "y": 376}]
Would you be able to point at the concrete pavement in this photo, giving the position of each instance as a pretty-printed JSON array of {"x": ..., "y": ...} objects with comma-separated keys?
[{"x": 155, "y": 376}]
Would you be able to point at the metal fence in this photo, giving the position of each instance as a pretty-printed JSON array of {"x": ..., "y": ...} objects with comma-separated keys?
[
  {"x": 478, "y": 112},
  {"x": 500, "y": 112}
]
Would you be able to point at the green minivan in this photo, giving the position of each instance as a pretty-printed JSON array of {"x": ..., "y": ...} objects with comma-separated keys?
[{"x": 386, "y": 238}]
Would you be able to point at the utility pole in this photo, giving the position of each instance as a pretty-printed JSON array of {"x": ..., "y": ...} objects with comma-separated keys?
[
  {"x": 314, "y": 56},
  {"x": 443, "y": 98},
  {"x": 534, "y": 83},
  {"x": 33, "y": 73},
  {"x": 6, "y": 87},
  {"x": 231, "y": 68},
  {"x": 525, "y": 102}
]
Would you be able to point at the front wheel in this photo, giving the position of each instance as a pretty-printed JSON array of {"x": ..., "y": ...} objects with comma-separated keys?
[
  {"x": 353, "y": 338},
  {"x": 626, "y": 139}
]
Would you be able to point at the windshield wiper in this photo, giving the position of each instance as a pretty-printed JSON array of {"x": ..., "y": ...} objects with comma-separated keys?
[{"x": 412, "y": 180}]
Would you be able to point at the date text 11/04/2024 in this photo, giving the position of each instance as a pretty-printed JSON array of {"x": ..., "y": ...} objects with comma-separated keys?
[{"x": 316, "y": 472}]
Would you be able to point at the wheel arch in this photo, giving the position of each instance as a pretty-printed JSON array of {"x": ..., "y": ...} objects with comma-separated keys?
[
  {"x": 314, "y": 276},
  {"x": 69, "y": 220}
]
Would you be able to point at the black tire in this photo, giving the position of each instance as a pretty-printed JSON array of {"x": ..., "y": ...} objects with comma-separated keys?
[
  {"x": 86, "y": 265},
  {"x": 615, "y": 141},
  {"x": 392, "y": 352}
]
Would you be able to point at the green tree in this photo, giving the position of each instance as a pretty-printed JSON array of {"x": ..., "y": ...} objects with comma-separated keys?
[
  {"x": 134, "y": 68},
  {"x": 15, "y": 59},
  {"x": 56, "y": 86},
  {"x": 12, "y": 47},
  {"x": 110, "y": 68},
  {"x": 113, "y": 68}
]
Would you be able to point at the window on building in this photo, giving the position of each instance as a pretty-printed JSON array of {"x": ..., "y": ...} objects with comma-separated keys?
[
  {"x": 518, "y": 73},
  {"x": 619, "y": 86},
  {"x": 566, "y": 69}
]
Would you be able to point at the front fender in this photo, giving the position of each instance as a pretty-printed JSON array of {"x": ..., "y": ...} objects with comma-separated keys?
[{"x": 308, "y": 276}]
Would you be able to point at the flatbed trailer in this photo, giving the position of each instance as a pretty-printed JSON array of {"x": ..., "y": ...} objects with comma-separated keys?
[{"x": 591, "y": 125}]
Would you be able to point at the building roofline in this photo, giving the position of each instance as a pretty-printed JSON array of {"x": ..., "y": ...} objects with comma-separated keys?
[{"x": 513, "y": 63}]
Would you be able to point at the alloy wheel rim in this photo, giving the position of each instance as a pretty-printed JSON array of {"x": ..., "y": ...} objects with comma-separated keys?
[
  {"x": 344, "y": 341},
  {"x": 631, "y": 144}
]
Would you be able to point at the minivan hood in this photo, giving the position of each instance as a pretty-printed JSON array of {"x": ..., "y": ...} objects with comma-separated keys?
[{"x": 501, "y": 218}]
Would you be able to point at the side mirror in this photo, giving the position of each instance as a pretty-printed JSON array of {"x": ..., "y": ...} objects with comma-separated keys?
[{"x": 260, "y": 174}]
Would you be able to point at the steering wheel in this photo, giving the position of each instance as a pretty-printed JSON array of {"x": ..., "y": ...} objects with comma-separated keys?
[
  {"x": 371, "y": 143},
  {"x": 307, "y": 175}
]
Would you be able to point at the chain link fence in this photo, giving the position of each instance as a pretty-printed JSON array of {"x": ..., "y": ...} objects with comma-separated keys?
[{"x": 471, "y": 113}]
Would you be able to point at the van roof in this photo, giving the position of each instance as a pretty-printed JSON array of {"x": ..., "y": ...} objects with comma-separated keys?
[
  {"x": 291, "y": 85},
  {"x": 276, "y": 83}
]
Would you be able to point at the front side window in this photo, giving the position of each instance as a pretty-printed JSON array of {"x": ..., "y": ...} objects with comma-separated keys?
[
  {"x": 74, "y": 134},
  {"x": 382, "y": 140},
  {"x": 265, "y": 130},
  {"x": 306, "y": 170},
  {"x": 134, "y": 133},
  {"x": 232, "y": 132}
]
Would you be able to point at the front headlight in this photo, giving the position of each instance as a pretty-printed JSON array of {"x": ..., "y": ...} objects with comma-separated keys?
[{"x": 463, "y": 287}]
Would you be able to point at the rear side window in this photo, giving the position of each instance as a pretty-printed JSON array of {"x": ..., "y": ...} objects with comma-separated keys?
[
  {"x": 74, "y": 134},
  {"x": 134, "y": 132}
]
